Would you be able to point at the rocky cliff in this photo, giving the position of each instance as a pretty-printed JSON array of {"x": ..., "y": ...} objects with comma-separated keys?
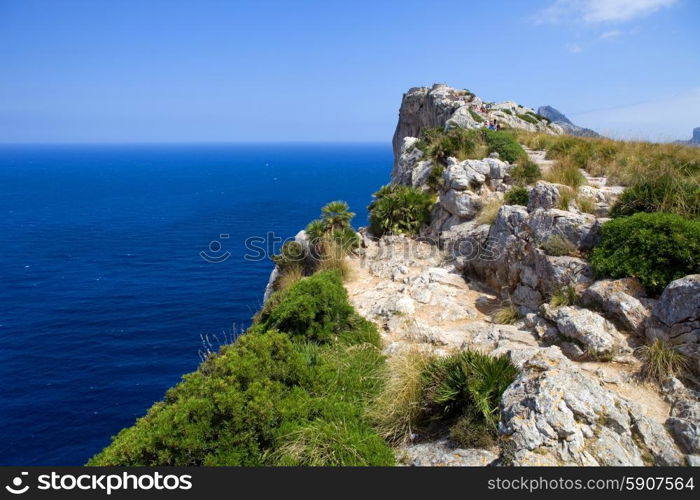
[
  {"x": 560, "y": 119},
  {"x": 445, "y": 107},
  {"x": 577, "y": 399},
  {"x": 695, "y": 140}
]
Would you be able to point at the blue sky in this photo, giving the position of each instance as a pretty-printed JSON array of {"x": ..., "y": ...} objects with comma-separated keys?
[{"x": 154, "y": 71}]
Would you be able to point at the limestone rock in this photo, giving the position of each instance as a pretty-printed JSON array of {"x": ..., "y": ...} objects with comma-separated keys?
[
  {"x": 553, "y": 414},
  {"x": 618, "y": 299},
  {"x": 591, "y": 330}
]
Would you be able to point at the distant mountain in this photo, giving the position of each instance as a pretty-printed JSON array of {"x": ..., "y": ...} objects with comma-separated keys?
[
  {"x": 560, "y": 119},
  {"x": 694, "y": 141}
]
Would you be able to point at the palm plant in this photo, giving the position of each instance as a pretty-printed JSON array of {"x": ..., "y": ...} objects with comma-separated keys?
[{"x": 336, "y": 215}]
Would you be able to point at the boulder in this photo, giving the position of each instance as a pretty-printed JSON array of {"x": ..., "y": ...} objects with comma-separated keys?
[
  {"x": 554, "y": 414},
  {"x": 464, "y": 204},
  {"x": 680, "y": 301},
  {"x": 543, "y": 195},
  {"x": 593, "y": 332},
  {"x": 618, "y": 299}
]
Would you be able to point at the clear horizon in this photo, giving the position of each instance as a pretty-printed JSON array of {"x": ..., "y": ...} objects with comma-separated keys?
[{"x": 221, "y": 72}]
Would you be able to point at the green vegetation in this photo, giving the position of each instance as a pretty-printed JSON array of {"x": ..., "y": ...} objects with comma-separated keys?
[
  {"x": 566, "y": 197},
  {"x": 507, "y": 111},
  {"x": 297, "y": 396},
  {"x": 399, "y": 209},
  {"x": 661, "y": 361},
  {"x": 567, "y": 296},
  {"x": 665, "y": 193},
  {"x": 659, "y": 177},
  {"x": 506, "y": 314},
  {"x": 517, "y": 196},
  {"x": 586, "y": 204},
  {"x": 463, "y": 144},
  {"x": 489, "y": 211},
  {"x": 477, "y": 117},
  {"x": 556, "y": 246},
  {"x": 657, "y": 248},
  {"x": 566, "y": 172},
  {"x": 527, "y": 117},
  {"x": 526, "y": 172},
  {"x": 462, "y": 391}
]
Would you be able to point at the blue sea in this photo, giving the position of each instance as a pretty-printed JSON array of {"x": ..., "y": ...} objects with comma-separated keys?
[{"x": 104, "y": 292}]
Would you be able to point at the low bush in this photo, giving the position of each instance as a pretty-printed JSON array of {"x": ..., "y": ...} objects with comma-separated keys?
[
  {"x": 586, "y": 204},
  {"x": 556, "y": 246},
  {"x": 506, "y": 314},
  {"x": 470, "y": 383},
  {"x": 527, "y": 117},
  {"x": 489, "y": 211},
  {"x": 315, "y": 308},
  {"x": 566, "y": 296},
  {"x": 566, "y": 172},
  {"x": 526, "y": 172},
  {"x": 477, "y": 117},
  {"x": 399, "y": 209},
  {"x": 666, "y": 193},
  {"x": 657, "y": 248},
  {"x": 438, "y": 145},
  {"x": 517, "y": 196},
  {"x": 399, "y": 408},
  {"x": 566, "y": 197},
  {"x": 661, "y": 360},
  {"x": 271, "y": 398}
]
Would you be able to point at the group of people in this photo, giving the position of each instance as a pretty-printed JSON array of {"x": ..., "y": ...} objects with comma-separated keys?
[
  {"x": 493, "y": 125},
  {"x": 490, "y": 124}
]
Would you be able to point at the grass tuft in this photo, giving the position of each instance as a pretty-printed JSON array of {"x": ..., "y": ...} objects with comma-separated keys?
[{"x": 661, "y": 360}]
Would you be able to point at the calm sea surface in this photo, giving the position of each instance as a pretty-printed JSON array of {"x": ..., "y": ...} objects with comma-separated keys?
[{"x": 104, "y": 296}]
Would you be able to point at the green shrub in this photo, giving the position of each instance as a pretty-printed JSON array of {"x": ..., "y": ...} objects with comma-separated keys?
[
  {"x": 504, "y": 143},
  {"x": 661, "y": 360},
  {"x": 315, "y": 308},
  {"x": 269, "y": 398},
  {"x": 477, "y": 117},
  {"x": 399, "y": 209},
  {"x": 507, "y": 111},
  {"x": 435, "y": 179},
  {"x": 657, "y": 248},
  {"x": 517, "y": 196},
  {"x": 470, "y": 432},
  {"x": 566, "y": 296},
  {"x": 566, "y": 172},
  {"x": 506, "y": 314},
  {"x": 666, "y": 193},
  {"x": 557, "y": 246},
  {"x": 471, "y": 383},
  {"x": 526, "y": 172},
  {"x": 527, "y": 117}
]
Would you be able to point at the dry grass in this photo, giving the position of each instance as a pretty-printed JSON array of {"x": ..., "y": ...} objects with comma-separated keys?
[
  {"x": 586, "y": 204},
  {"x": 489, "y": 211},
  {"x": 622, "y": 162},
  {"x": 661, "y": 360},
  {"x": 567, "y": 296},
  {"x": 397, "y": 409},
  {"x": 566, "y": 172},
  {"x": 334, "y": 258},
  {"x": 289, "y": 276},
  {"x": 506, "y": 314},
  {"x": 566, "y": 197}
]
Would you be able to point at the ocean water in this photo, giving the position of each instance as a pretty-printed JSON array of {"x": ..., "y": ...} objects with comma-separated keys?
[{"x": 104, "y": 296}]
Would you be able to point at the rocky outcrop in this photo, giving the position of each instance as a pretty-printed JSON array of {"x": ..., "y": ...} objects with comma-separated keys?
[
  {"x": 623, "y": 301},
  {"x": 694, "y": 141},
  {"x": 442, "y": 106},
  {"x": 560, "y": 119},
  {"x": 588, "y": 330},
  {"x": 676, "y": 317},
  {"x": 553, "y": 414}
]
